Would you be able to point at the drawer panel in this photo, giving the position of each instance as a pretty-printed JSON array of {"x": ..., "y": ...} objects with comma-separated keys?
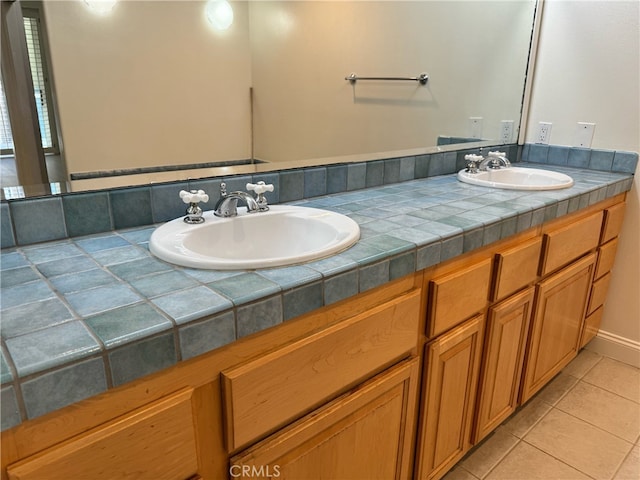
[
  {"x": 606, "y": 257},
  {"x": 565, "y": 244},
  {"x": 158, "y": 439},
  {"x": 612, "y": 224},
  {"x": 267, "y": 393},
  {"x": 598, "y": 293},
  {"x": 591, "y": 326},
  {"x": 456, "y": 296},
  {"x": 516, "y": 268}
]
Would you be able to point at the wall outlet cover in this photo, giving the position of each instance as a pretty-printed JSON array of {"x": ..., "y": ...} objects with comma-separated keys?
[
  {"x": 544, "y": 133},
  {"x": 584, "y": 134}
]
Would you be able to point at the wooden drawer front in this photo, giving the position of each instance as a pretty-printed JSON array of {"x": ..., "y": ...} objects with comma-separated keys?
[
  {"x": 516, "y": 268},
  {"x": 598, "y": 293},
  {"x": 269, "y": 392},
  {"x": 612, "y": 224},
  {"x": 606, "y": 257},
  {"x": 563, "y": 245},
  {"x": 457, "y": 296},
  {"x": 591, "y": 326},
  {"x": 364, "y": 434},
  {"x": 156, "y": 441}
]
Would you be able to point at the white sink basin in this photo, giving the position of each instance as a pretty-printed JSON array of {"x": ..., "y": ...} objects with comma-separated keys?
[
  {"x": 284, "y": 235},
  {"x": 518, "y": 178}
]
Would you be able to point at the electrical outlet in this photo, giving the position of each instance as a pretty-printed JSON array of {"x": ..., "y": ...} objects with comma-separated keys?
[
  {"x": 475, "y": 127},
  {"x": 544, "y": 133},
  {"x": 506, "y": 131},
  {"x": 584, "y": 134}
]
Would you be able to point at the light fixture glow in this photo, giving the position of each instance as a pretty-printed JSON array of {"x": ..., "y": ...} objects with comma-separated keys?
[
  {"x": 220, "y": 14},
  {"x": 101, "y": 7}
]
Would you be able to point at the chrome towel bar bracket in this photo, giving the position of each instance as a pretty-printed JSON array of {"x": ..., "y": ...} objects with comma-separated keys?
[{"x": 422, "y": 78}]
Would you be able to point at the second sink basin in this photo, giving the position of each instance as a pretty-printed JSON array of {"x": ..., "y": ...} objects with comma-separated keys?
[
  {"x": 284, "y": 235},
  {"x": 518, "y": 178}
]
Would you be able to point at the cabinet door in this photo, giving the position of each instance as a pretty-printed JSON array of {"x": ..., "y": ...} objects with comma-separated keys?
[
  {"x": 450, "y": 382},
  {"x": 560, "y": 306},
  {"x": 364, "y": 434},
  {"x": 506, "y": 337}
]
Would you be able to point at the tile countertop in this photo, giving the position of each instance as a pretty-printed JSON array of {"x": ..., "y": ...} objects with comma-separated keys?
[{"x": 86, "y": 314}]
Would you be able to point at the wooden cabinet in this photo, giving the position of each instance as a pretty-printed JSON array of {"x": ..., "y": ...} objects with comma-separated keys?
[
  {"x": 561, "y": 301},
  {"x": 515, "y": 268},
  {"x": 505, "y": 341},
  {"x": 450, "y": 377},
  {"x": 157, "y": 441},
  {"x": 365, "y": 434}
]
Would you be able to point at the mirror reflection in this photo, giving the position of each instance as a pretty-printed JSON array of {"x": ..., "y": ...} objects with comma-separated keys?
[{"x": 155, "y": 86}]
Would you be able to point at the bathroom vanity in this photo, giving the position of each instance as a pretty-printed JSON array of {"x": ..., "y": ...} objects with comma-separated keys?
[{"x": 398, "y": 381}]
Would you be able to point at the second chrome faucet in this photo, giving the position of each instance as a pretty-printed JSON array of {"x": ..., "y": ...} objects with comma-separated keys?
[{"x": 227, "y": 206}]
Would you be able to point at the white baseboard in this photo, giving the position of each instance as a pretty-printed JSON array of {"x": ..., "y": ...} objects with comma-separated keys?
[{"x": 616, "y": 347}]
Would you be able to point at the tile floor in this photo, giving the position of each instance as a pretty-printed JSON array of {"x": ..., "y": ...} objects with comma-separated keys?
[{"x": 584, "y": 425}]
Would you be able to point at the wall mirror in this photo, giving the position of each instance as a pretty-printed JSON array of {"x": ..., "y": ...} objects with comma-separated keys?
[{"x": 152, "y": 85}]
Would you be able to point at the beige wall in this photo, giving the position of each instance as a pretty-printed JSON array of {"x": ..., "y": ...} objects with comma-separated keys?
[
  {"x": 474, "y": 52},
  {"x": 149, "y": 84},
  {"x": 588, "y": 70}
]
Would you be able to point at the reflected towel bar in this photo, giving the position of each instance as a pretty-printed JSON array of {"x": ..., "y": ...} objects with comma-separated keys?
[{"x": 422, "y": 78}]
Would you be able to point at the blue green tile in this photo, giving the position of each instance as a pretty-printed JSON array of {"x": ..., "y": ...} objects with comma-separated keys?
[
  {"x": 75, "y": 282},
  {"x": 51, "y": 347},
  {"x": 245, "y": 287},
  {"x": 472, "y": 239},
  {"x": 374, "y": 275},
  {"x": 291, "y": 185},
  {"x": 139, "y": 235},
  {"x": 166, "y": 203},
  {"x": 579, "y": 157},
  {"x": 299, "y": 301},
  {"x": 5, "y": 371},
  {"x": 7, "y": 239},
  {"x": 356, "y": 176},
  {"x": 451, "y": 247},
  {"x": 192, "y": 304},
  {"x": 16, "y": 276},
  {"x": 558, "y": 155},
  {"x": 201, "y": 337},
  {"x": 601, "y": 160},
  {"x": 428, "y": 255},
  {"x": 24, "y": 293},
  {"x": 391, "y": 171},
  {"x": 341, "y": 286},
  {"x": 538, "y": 153},
  {"x": 59, "y": 388},
  {"x": 34, "y": 316},
  {"x": 422, "y": 166},
  {"x": 140, "y": 267},
  {"x": 40, "y": 220},
  {"x": 389, "y": 244},
  {"x": 332, "y": 265},
  {"x": 100, "y": 299},
  {"x": 131, "y": 207},
  {"x": 402, "y": 265},
  {"x": 9, "y": 260},
  {"x": 161, "y": 283},
  {"x": 103, "y": 242},
  {"x": 288, "y": 277},
  {"x": 258, "y": 316},
  {"x": 87, "y": 213},
  {"x": 67, "y": 265},
  {"x": 124, "y": 325},
  {"x": 138, "y": 359},
  {"x": 375, "y": 174},
  {"x": 315, "y": 182},
  {"x": 625, "y": 162},
  {"x": 119, "y": 255},
  {"x": 336, "y": 179},
  {"x": 407, "y": 168},
  {"x": 9, "y": 408},
  {"x": 48, "y": 253}
]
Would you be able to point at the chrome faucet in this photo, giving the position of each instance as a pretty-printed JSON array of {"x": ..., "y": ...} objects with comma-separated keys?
[
  {"x": 227, "y": 206},
  {"x": 494, "y": 160}
]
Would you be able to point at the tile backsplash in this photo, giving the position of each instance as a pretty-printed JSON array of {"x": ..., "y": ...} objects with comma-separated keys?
[{"x": 29, "y": 221}]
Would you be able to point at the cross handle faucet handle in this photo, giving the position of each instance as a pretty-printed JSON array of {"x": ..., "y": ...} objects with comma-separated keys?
[{"x": 259, "y": 187}]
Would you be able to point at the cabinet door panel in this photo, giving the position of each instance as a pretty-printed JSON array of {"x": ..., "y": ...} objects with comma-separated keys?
[
  {"x": 457, "y": 296},
  {"x": 271, "y": 391},
  {"x": 450, "y": 382},
  {"x": 569, "y": 242},
  {"x": 157, "y": 441},
  {"x": 365, "y": 434},
  {"x": 560, "y": 307},
  {"x": 507, "y": 328}
]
